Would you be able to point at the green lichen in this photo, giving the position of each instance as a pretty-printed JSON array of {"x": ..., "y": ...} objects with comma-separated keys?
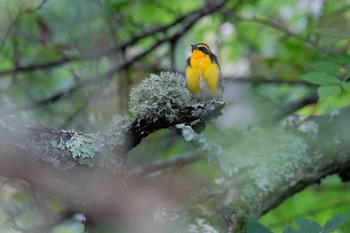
[
  {"x": 310, "y": 129},
  {"x": 266, "y": 158},
  {"x": 269, "y": 156},
  {"x": 214, "y": 152},
  {"x": 59, "y": 145},
  {"x": 274, "y": 157},
  {"x": 116, "y": 131},
  {"x": 306, "y": 127},
  {"x": 80, "y": 145},
  {"x": 201, "y": 226},
  {"x": 286, "y": 156},
  {"x": 188, "y": 134},
  {"x": 159, "y": 96},
  {"x": 84, "y": 145},
  {"x": 251, "y": 196}
]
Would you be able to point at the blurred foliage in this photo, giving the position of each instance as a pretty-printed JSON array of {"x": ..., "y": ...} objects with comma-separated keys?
[
  {"x": 284, "y": 50},
  {"x": 318, "y": 203}
]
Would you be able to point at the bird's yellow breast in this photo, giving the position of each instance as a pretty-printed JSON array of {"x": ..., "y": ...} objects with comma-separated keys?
[{"x": 201, "y": 67}]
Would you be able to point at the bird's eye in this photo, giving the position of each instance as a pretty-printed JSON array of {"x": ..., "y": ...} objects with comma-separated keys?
[{"x": 205, "y": 50}]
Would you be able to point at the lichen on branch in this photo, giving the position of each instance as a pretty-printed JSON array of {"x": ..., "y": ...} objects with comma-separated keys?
[
  {"x": 160, "y": 96},
  {"x": 159, "y": 102}
]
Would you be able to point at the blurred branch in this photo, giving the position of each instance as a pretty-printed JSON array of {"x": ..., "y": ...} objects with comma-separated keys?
[
  {"x": 109, "y": 74},
  {"x": 187, "y": 22},
  {"x": 71, "y": 117},
  {"x": 39, "y": 6},
  {"x": 263, "y": 80},
  {"x": 76, "y": 166},
  {"x": 163, "y": 165},
  {"x": 282, "y": 28},
  {"x": 333, "y": 160},
  {"x": 21, "y": 12},
  {"x": 62, "y": 155},
  {"x": 328, "y": 152},
  {"x": 191, "y": 19},
  {"x": 27, "y": 152},
  {"x": 289, "y": 108},
  {"x": 9, "y": 29},
  {"x": 295, "y": 106},
  {"x": 40, "y": 66},
  {"x": 240, "y": 79}
]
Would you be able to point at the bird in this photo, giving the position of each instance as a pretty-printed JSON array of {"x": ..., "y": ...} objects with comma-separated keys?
[{"x": 203, "y": 74}]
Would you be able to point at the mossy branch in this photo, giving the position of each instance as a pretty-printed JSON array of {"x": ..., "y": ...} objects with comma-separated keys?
[
  {"x": 276, "y": 163},
  {"x": 259, "y": 172},
  {"x": 73, "y": 165},
  {"x": 159, "y": 102}
]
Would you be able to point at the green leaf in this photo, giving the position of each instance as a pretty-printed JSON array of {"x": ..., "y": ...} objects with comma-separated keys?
[
  {"x": 337, "y": 221},
  {"x": 118, "y": 4},
  {"x": 327, "y": 67},
  {"x": 346, "y": 86},
  {"x": 289, "y": 230},
  {"x": 308, "y": 226},
  {"x": 256, "y": 227},
  {"x": 320, "y": 78},
  {"x": 343, "y": 59},
  {"x": 327, "y": 91}
]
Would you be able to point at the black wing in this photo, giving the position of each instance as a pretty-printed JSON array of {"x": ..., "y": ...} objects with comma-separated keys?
[
  {"x": 188, "y": 62},
  {"x": 214, "y": 59}
]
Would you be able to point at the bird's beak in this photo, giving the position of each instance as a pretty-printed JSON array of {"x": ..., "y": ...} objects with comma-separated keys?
[{"x": 194, "y": 46}]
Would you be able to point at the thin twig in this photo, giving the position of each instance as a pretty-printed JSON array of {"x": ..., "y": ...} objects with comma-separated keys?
[
  {"x": 162, "y": 165},
  {"x": 263, "y": 80},
  {"x": 109, "y": 74},
  {"x": 281, "y": 28},
  {"x": 15, "y": 21},
  {"x": 188, "y": 21},
  {"x": 12, "y": 24}
]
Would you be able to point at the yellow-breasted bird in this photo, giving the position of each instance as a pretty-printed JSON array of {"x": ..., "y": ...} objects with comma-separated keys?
[{"x": 203, "y": 75}]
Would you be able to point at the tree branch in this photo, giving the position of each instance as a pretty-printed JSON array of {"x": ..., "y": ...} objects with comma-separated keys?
[
  {"x": 190, "y": 21},
  {"x": 330, "y": 155},
  {"x": 163, "y": 165},
  {"x": 75, "y": 167},
  {"x": 326, "y": 143},
  {"x": 16, "y": 19},
  {"x": 187, "y": 20},
  {"x": 29, "y": 150},
  {"x": 55, "y": 146},
  {"x": 283, "y": 29}
]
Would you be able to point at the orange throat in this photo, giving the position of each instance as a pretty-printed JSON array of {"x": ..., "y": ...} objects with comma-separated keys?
[{"x": 197, "y": 54}]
